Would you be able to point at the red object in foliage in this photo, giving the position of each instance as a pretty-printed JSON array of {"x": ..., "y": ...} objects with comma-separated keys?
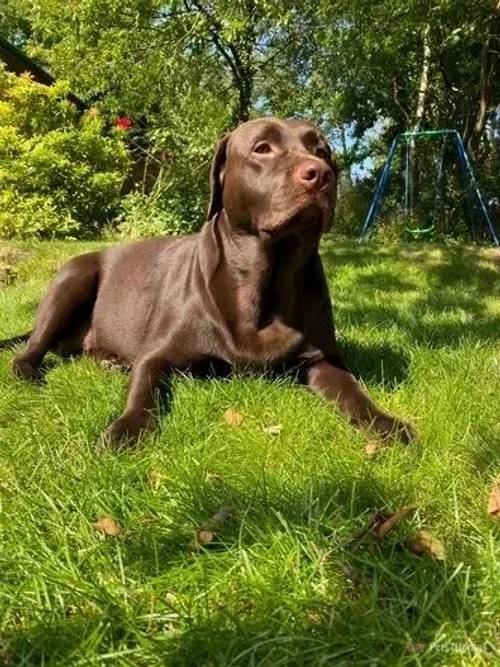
[{"x": 123, "y": 123}]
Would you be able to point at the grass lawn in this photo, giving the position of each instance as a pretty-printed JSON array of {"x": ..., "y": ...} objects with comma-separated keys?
[{"x": 288, "y": 582}]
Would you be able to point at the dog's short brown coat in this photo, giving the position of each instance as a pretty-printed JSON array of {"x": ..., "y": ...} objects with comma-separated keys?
[{"x": 248, "y": 288}]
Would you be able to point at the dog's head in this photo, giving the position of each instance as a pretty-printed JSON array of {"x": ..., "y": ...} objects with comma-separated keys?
[{"x": 274, "y": 177}]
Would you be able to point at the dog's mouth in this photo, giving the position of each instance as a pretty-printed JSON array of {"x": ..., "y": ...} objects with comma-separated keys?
[{"x": 313, "y": 217}]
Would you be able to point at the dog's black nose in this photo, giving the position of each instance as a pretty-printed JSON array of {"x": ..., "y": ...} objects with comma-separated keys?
[{"x": 313, "y": 173}]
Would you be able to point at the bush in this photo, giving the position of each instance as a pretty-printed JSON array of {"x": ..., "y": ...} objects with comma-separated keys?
[
  {"x": 59, "y": 174},
  {"x": 143, "y": 216},
  {"x": 173, "y": 189},
  {"x": 352, "y": 205}
]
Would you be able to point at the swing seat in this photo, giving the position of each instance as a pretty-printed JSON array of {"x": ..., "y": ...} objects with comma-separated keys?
[{"x": 419, "y": 231}]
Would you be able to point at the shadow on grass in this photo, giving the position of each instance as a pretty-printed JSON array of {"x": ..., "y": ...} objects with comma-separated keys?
[
  {"x": 376, "y": 362},
  {"x": 444, "y": 305},
  {"x": 486, "y": 455},
  {"x": 53, "y": 641},
  {"x": 387, "y": 606},
  {"x": 390, "y": 607}
]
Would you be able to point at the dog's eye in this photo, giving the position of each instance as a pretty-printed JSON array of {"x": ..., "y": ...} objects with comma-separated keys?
[
  {"x": 262, "y": 148},
  {"x": 323, "y": 154}
]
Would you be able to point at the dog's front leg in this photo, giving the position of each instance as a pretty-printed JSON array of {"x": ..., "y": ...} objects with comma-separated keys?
[
  {"x": 147, "y": 373},
  {"x": 339, "y": 386}
]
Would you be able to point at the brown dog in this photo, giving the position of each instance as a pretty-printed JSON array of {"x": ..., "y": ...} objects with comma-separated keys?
[{"x": 248, "y": 288}]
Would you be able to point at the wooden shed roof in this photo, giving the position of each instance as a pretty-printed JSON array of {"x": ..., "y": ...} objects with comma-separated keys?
[{"x": 18, "y": 62}]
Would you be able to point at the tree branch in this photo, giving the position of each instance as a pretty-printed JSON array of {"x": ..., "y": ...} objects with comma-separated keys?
[
  {"x": 395, "y": 95},
  {"x": 214, "y": 28}
]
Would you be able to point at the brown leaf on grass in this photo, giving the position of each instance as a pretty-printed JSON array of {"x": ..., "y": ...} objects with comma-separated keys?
[
  {"x": 205, "y": 536},
  {"x": 424, "y": 544},
  {"x": 392, "y": 521},
  {"x": 273, "y": 429},
  {"x": 233, "y": 418},
  {"x": 156, "y": 479},
  {"x": 494, "y": 500},
  {"x": 415, "y": 647},
  {"x": 206, "y": 533},
  {"x": 212, "y": 477},
  {"x": 314, "y": 616},
  {"x": 373, "y": 446},
  {"x": 376, "y": 520},
  {"x": 380, "y": 524},
  {"x": 107, "y": 526}
]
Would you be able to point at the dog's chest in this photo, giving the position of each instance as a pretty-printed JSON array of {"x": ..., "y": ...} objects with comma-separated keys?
[
  {"x": 266, "y": 344},
  {"x": 262, "y": 326}
]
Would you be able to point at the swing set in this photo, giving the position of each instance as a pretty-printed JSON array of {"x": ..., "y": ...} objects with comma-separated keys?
[{"x": 450, "y": 139}]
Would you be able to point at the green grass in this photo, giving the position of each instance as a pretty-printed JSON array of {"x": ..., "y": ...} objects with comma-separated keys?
[{"x": 286, "y": 584}]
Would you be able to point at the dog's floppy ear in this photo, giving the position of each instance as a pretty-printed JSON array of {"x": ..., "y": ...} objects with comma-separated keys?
[{"x": 217, "y": 177}]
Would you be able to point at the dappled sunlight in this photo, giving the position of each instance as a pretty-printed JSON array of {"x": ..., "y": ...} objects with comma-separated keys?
[{"x": 435, "y": 297}]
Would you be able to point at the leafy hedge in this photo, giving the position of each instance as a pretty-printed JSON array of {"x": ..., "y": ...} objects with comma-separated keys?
[{"x": 59, "y": 174}]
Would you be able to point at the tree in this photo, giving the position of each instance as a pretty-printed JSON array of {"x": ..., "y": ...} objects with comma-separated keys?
[{"x": 188, "y": 70}]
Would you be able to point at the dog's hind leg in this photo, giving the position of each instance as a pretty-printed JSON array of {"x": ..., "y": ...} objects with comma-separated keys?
[{"x": 64, "y": 308}]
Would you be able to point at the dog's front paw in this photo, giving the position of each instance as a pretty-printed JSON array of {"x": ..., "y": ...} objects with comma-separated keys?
[
  {"x": 389, "y": 427},
  {"x": 24, "y": 369},
  {"x": 123, "y": 432}
]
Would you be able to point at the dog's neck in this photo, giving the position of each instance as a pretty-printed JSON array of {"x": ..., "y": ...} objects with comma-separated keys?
[{"x": 265, "y": 275}]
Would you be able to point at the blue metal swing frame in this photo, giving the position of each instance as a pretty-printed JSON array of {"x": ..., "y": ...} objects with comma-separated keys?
[{"x": 473, "y": 189}]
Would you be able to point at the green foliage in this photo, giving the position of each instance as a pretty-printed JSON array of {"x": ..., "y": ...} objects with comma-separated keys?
[
  {"x": 59, "y": 174},
  {"x": 33, "y": 215},
  {"x": 143, "y": 216},
  {"x": 172, "y": 188},
  {"x": 189, "y": 71},
  {"x": 352, "y": 204}
]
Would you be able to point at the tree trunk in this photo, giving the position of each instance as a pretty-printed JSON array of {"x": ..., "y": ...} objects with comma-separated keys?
[
  {"x": 487, "y": 75},
  {"x": 423, "y": 87},
  {"x": 243, "y": 80},
  {"x": 237, "y": 54},
  {"x": 343, "y": 141},
  {"x": 243, "y": 76}
]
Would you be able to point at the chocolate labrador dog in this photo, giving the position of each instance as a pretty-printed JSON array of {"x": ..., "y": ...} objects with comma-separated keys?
[{"x": 247, "y": 289}]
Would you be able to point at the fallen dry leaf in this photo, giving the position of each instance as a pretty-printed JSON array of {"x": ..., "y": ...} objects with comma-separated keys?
[
  {"x": 107, "y": 526},
  {"x": 424, "y": 544},
  {"x": 205, "y": 536},
  {"x": 385, "y": 527},
  {"x": 314, "y": 617},
  {"x": 233, "y": 418},
  {"x": 206, "y": 533},
  {"x": 376, "y": 520},
  {"x": 212, "y": 477},
  {"x": 494, "y": 500},
  {"x": 171, "y": 598},
  {"x": 372, "y": 447},
  {"x": 156, "y": 479},
  {"x": 273, "y": 429},
  {"x": 415, "y": 647},
  {"x": 380, "y": 524}
]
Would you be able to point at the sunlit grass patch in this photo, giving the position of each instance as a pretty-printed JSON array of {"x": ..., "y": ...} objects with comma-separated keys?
[{"x": 286, "y": 583}]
